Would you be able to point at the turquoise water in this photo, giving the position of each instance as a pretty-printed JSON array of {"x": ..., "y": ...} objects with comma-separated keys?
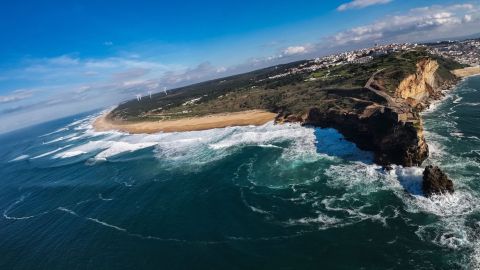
[{"x": 268, "y": 197}]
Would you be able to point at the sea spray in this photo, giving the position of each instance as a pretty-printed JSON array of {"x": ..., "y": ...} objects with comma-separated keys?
[{"x": 252, "y": 194}]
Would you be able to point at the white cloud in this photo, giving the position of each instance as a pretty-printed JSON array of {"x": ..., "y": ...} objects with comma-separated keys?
[
  {"x": 467, "y": 18},
  {"x": 63, "y": 60},
  {"x": 70, "y": 84},
  {"x": 295, "y": 50},
  {"x": 133, "y": 83},
  {"x": 357, "y": 4},
  {"x": 203, "y": 71},
  {"x": 416, "y": 25},
  {"x": 65, "y": 85},
  {"x": 130, "y": 73},
  {"x": 16, "y": 95},
  {"x": 221, "y": 69},
  {"x": 83, "y": 88},
  {"x": 122, "y": 63}
]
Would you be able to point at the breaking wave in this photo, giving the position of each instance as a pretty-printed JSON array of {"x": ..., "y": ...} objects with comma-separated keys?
[{"x": 287, "y": 180}]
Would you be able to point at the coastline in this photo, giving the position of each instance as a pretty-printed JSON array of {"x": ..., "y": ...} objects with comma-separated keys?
[
  {"x": 245, "y": 118},
  {"x": 467, "y": 72}
]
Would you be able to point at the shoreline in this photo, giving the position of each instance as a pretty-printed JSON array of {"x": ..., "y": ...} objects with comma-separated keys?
[
  {"x": 245, "y": 118},
  {"x": 467, "y": 72}
]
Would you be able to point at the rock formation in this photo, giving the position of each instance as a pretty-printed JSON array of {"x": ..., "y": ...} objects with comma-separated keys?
[
  {"x": 421, "y": 86},
  {"x": 375, "y": 105},
  {"x": 380, "y": 129},
  {"x": 436, "y": 182},
  {"x": 393, "y": 130}
]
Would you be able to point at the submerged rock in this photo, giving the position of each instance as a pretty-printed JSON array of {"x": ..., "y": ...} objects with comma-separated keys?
[{"x": 435, "y": 181}]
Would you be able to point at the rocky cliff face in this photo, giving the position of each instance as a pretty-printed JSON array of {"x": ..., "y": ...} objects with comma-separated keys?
[
  {"x": 393, "y": 131},
  {"x": 417, "y": 89},
  {"x": 380, "y": 129}
]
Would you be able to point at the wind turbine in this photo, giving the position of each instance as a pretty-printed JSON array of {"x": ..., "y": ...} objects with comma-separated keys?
[
  {"x": 150, "y": 94},
  {"x": 165, "y": 90},
  {"x": 139, "y": 97}
]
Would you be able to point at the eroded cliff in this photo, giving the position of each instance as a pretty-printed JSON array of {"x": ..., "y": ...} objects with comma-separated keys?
[
  {"x": 419, "y": 88},
  {"x": 374, "y": 104},
  {"x": 393, "y": 138},
  {"x": 393, "y": 130}
]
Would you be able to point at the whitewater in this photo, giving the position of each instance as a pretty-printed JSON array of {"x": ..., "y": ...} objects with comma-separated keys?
[{"x": 259, "y": 197}]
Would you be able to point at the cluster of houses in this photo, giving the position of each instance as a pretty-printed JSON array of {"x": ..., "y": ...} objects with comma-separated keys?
[
  {"x": 466, "y": 52},
  {"x": 360, "y": 56}
]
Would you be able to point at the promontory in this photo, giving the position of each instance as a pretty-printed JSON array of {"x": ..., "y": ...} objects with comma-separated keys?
[{"x": 374, "y": 102}]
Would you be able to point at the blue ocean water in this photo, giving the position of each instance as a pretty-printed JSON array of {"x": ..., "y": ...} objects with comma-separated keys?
[{"x": 267, "y": 197}]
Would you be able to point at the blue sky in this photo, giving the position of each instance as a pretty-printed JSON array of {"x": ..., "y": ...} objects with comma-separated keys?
[{"x": 64, "y": 57}]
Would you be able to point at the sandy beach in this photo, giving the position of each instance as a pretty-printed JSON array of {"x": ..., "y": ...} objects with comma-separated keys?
[
  {"x": 467, "y": 72},
  {"x": 252, "y": 117}
]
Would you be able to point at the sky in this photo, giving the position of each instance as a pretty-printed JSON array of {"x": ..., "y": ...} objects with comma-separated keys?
[{"x": 60, "y": 58}]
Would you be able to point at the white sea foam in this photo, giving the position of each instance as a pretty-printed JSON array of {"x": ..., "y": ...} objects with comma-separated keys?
[
  {"x": 62, "y": 138},
  {"x": 321, "y": 219},
  {"x": 436, "y": 144},
  {"x": 456, "y": 211},
  {"x": 12, "y": 206},
  {"x": 66, "y": 210},
  {"x": 76, "y": 123},
  {"x": 410, "y": 178},
  {"x": 19, "y": 158},
  {"x": 458, "y": 204},
  {"x": 457, "y": 100},
  {"x": 475, "y": 258},
  {"x": 356, "y": 176},
  {"x": 124, "y": 230},
  {"x": 199, "y": 147},
  {"x": 70, "y": 154},
  {"x": 117, "y": 148},
  {"x": 107, "y": 224},
  {"x": 473, "y": 104},
  {"x": 51, "y": 152},
  {"x": 268, "y": 133},
  {"x": 354, "y": 214},
  {"x": 56, "y": 131},
  {"x": 91, "y": 146},
  {"x": 435, "y": 105},
  {"x": 100, "y": 196},
  {"x": 333, "y": 144},
  {"x": 457, "y": 134}
]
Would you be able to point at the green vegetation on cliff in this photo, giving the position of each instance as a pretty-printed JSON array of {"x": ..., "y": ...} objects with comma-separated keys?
[
  {"x": 359, "y": 100},
  {"x": 287, "y": 89}
]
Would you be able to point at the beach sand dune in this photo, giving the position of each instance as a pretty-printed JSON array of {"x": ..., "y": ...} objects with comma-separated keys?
[
  {"x": 467, "y": 72},
  {"x": 245, "y": 118}
]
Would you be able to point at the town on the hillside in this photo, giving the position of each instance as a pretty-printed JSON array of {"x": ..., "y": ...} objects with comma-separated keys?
[{"x": 465, "y": 52}]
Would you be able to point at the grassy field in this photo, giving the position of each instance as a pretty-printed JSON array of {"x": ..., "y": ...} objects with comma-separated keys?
[{"x": 278, "y": 90}]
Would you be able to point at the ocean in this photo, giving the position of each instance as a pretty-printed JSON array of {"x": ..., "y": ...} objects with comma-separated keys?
[{"x": 265, "y": 197}]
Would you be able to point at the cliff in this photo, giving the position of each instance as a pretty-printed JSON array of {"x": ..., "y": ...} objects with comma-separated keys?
[
  {"x": 417, "y": 89},
  {"x": 374, "y": 104},
  {"x": 393, "y": 130},
  {"x": 381, "y": 129}
]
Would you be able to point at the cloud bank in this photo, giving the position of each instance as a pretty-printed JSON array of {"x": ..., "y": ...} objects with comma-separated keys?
[
  {"x": 69, "y": 84},
  {"x": 16, "y": 95},
  {"x": 417, "y": 24},
  {"x": 358, "y": 4}
]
